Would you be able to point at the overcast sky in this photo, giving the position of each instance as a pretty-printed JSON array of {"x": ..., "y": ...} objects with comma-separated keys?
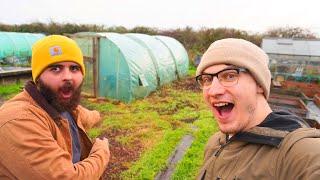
[{"x": 249, "y": 15}]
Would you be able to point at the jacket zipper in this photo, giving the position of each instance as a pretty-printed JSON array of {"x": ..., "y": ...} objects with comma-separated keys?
[{"x": 217, "y": 153}]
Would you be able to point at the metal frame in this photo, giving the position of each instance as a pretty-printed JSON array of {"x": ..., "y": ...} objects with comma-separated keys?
[{"x": 94, "y": 60}]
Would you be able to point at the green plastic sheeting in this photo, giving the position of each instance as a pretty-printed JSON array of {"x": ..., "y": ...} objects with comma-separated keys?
[
  {"x": 161, "y": 56},
  {"x": 178, "y": 52},
  {"x": 130, "y": 66},
  {"x": 125, "y": 68},
  {"x": 17, "y": 46}
]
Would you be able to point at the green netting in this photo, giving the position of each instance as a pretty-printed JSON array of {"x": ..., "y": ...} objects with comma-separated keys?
[{"x": 15, "y": 48}]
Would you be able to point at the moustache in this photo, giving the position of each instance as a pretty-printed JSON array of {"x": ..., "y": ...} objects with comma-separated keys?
[{"x": 67, "y": 86}]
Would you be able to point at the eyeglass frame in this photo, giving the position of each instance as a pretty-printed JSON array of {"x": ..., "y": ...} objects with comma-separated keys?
[{"x": 238, "y": 69}]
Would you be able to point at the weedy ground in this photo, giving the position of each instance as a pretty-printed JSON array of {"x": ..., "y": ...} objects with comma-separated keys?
[{"x": 143, "y": 134}]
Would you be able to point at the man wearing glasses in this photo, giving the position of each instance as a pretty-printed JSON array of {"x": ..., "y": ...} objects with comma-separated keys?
[{"x": 253, "y": 142}]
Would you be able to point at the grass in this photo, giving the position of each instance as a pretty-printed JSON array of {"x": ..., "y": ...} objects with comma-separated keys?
[
  {"x": 94, "y": 132},
  {"x": 154, "y": 160},
  {"x": 9, "y": 90},
  {"x": 192, "y": 70}
]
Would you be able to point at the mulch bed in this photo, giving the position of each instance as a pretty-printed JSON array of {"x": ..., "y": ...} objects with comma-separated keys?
[
  {"x": 188, "y": 83},
  {"x": 120, "y": 154}
]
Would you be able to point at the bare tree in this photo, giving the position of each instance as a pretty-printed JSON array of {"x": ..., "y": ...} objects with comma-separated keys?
[{"x": 290, "y": 32}]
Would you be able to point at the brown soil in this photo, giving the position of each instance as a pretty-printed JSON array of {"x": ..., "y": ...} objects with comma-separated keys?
[
  {"x": 120, "y": 154},
  {"x": 188, "y": 83},
  {"x": 309, "y": 89}
]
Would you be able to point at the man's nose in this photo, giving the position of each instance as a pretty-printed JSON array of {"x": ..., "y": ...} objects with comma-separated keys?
[
  {"x": 216, "y": 88},
  {"x": 67, "y": 74}
]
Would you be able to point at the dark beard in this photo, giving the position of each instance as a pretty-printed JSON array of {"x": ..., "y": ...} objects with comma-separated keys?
[{"x": 54, "y": 100}]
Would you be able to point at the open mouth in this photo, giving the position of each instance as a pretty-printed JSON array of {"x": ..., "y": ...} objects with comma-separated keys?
[
  {"x": 224, "y": 108},
  {"x": 66, "y": 92}
]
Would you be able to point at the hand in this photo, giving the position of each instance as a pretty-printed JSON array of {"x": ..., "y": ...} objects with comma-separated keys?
[
  {"x": 101, "y": 144},
  {"x": 104, "y": 143}
]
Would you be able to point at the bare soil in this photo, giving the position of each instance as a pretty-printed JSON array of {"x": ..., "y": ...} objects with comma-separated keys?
[
  {"x": 121, "y": 155},
  {"x": 188, "y": 83}
]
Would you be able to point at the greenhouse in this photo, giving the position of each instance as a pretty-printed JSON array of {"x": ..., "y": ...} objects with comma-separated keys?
[
  {"x": 162, "y": 59},
  {"x": 129, "y": 66},
  {"x": 179, "y": 54},
  {"x": 15, "y": 48}
]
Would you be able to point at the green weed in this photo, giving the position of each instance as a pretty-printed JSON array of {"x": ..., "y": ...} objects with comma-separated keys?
[
  {"x": 8, "y": 91},
  {"x": 192, "y": 70},
  {"x": 94, "y": 132}
]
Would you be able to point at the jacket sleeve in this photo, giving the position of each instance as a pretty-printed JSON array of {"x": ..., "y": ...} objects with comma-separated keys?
[
  {"x": 88, "y": 118},
  {"x": 302, "y": 161},
  {"x": 28, "y": 150}
]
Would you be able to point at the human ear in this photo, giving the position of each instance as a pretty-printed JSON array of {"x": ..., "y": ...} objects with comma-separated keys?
[{"x": 259, "y": 89}]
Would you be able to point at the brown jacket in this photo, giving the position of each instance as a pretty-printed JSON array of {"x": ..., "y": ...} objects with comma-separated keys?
[
  {"x": 35, "y": 141},
  {"x": 282, "y": 147}
]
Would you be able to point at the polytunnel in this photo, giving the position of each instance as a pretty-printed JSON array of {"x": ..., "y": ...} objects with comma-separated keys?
[
  {"x": 178, "y": 52},
  {"x": 125, "y": 66},
  {"x": 15, "y": 48},
  {"x": 161, "y": 56}
]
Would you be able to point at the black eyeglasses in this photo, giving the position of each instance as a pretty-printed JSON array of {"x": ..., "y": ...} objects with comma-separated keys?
[{"x": 227, "y": 77}]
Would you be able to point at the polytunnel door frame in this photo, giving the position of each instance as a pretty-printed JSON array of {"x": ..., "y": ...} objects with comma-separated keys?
[
  {"x": 95, "y": 64},
  {"x": 94, "y": 60}
]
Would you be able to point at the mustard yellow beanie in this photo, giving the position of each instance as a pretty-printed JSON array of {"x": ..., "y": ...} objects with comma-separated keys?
[
  {"x": 53, "y": 49},
  {"x": 240, "y": 53}
]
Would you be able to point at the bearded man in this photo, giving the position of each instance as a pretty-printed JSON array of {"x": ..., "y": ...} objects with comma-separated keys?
[{"x": 43, "y": 129}]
